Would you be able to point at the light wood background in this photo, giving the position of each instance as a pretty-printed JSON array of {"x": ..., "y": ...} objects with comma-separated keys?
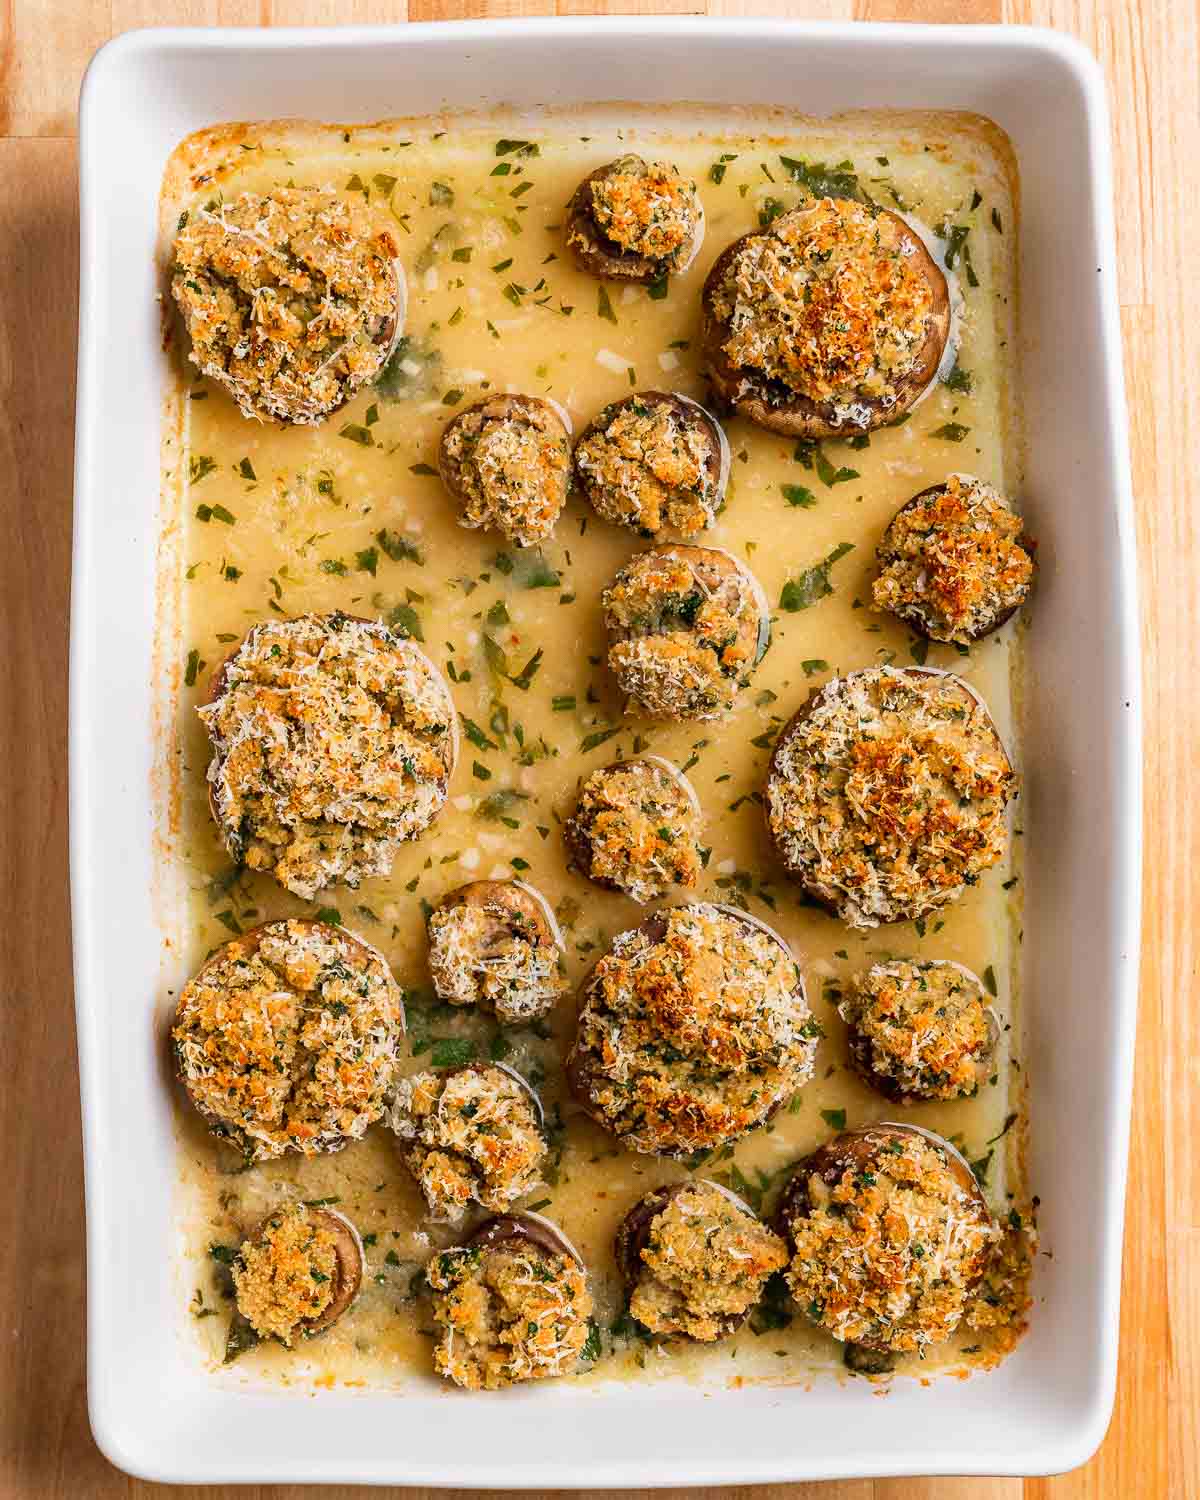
[{"x": 1149, "y": 49}]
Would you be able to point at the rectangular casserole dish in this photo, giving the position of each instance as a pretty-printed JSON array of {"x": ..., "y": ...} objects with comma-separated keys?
[{"x": 155, "y": 1411}]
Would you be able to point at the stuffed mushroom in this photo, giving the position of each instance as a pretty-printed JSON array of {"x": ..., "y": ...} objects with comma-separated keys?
[
  {"x": 298, "y": 1272},
  {"x": 633, "y": 220},
  {"x": 497, "y": 945}
]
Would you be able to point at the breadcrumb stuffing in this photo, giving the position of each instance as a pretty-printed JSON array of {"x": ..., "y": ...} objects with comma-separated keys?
[
  {"x": 924, "y": 1028},
  {"x": 646, "y": 209},
  {"x": 291, "y": 299},
  {"x": 686, "y": 627},
  {"x": 652, "y": 464},
  {"x": 887, "y": 795},
  {"x": 508, "y": 462},
  {"x": 508, "y": 1313},
  {"x": 953, "y": 561},
  {"x": 470, "y": 1136},
  {"x": 704, "y": 1265},
  {"x": 494, "y": 952},
  {"x": 889, "y": 1254},
  {"x": 999, "y": 1306},
  {"x": 287, "y": 1276},
  {"x": 333, "y": 742},
  {"x": 692, "y": 1030},
  {"x": 636, "y": 828},
  {"x": 828, "y": 302},
  {"x": 287, "y": 1039}
]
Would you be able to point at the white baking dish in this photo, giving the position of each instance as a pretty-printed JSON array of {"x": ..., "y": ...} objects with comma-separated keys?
[{"x": 154, "y": 1410}]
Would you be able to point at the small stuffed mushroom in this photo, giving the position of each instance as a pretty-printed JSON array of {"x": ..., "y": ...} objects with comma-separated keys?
[
  {"x": 695, "y": 1259},
  {"x": 692, "y": 1030},
  {"x": 293, "y": 300},
  {"x": 636, "y": 828},
  {"x": 506, "y": 460},
  {"x": 886, "y": 793},
  {"x": 633, "y": 220},
  {"x": 496, "y": 944},
  {"x": 829, "y": 322},
  {"x": 889, "y": 1233},
  {"x": 334, "y": 740},
  {"x": 470, "y": 1135},
  {"x": 512, "y": 1304},
  {"x": 298, "y": 1272},
  {"x": 954, "y": 562},
  {"x": 920, "y": 1030},
  {"x": 288, "y": 1038},
  {"x": 657, "y": 463},
  {"x": 686, "y": 628}
]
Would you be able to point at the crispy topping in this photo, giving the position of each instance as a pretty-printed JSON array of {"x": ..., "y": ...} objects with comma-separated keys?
[
  {"x": 692, "y": 1030},
  {"x": 687, "y": 627},
  {"x": 291, "y": 299},
  {"x": 653, "y": 465},
  {"x": 636, "y": 827},
  {"x": 829, "y": 301},
  {"x": 922, "y": 1027},
  {"x": 887, "y": 795},
  {"x": 508, "y": 461},
  {"x": 287, "y": 1038},
  {"x": 888, "y": 1256},
  {"x": 333, "y": 741},
  {"x": 509, "y": 1313},
  {"x": 495, "y": 953},
  {"x": 953, "y": 561},
  {"x": 472, "y": 1136},
  {"x": 647, "y": 210},
  {"x": 286, "y": 1277},
  {"x": 704, "y": 1265}
]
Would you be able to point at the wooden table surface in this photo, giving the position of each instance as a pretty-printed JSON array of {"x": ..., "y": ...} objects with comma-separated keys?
[{"x": 1149, "y": 49}]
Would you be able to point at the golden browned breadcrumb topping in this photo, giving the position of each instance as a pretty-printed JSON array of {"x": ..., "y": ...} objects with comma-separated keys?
[
  {"x": 287, "y": 1038},
  {"x": 471, "y": 1136},
  {"x": 495, "y": 955},
  {"x": 999, "y": 1305},
  {"x": 685, "y": 635},
  {"x": 508, "y": 1313},
  {"x": 652, "y": 467},
  {"x": 647, "y": 209},
  {"x": 333, "y": 742},
  {"x": 953, "y": 561},
  {"x": 888, "y": 1256},
  {"x": 290, "y": 299},
  {"x": 640, "y": 829},
  {"x": 923, "y": 1026},
  {"x": 693, "y": 1029},
  {"x": 288, "y": 1275},
  {"x": 888, "y": 797},
  {"x": 829, "y": 302},
  {"x": 705, "y": 1264},
  {"x": 512, "y": 464}
]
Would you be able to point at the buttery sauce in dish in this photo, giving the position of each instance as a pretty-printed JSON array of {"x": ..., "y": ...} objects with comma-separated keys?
[{"x": 270, "y": 522}]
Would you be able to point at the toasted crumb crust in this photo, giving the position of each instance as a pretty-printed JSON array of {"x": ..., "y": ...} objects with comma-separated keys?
[
  {"x": 704, "y": 1265},
  {"x": 687, "y": 626},
  {"x": 888, "y": 1253},
  {"x": 653, "y": 463},
  {"x": 490, "y": 945},
  {"x": 291, "y": 299},
  {"x": 287, "y": 1038},
  {"x": 692, "y": 1030},
  {"x": 508, "y": 1313},
  {"x": 333, "y": 742},
  {"x": 634, "y": 219},
  {"x": 1000, "y": 1302},
  {"x": 470, "y": 1136},
  {"x": 954, "y": 561},
  {"x": 829, "y": 301},
  {"x": 287, "y": 1276},
  {"x": 507, "y": 460},
  {"x": 636, "y": 829},
  {"x": 886, "y": 793},
  {"x": 921, "y": 1030}
]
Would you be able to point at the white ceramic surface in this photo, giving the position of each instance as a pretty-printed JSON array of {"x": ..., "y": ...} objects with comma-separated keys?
[{"x": 154, "y": 1411}]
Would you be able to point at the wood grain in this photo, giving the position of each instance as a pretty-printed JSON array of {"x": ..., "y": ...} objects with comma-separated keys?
[{"x": 1151, "y": 54}]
